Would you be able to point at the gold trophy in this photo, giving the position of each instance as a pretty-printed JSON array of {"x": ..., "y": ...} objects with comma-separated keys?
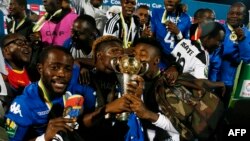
[{"x": 126, "y": 67}]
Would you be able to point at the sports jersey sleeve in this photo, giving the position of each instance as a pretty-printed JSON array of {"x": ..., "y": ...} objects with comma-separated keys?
[
  {"x": 244, "y": 48},
  {"x": 111, "y": 27},
  {"x": 214, "y": 65},
  {"x": 18, "y": 120},
  {"x": 184, "y": 26},
  {"x": 152, "y": 21},
  {"x": 200, "y": 71},
  {"x": 164, "y": 123}
]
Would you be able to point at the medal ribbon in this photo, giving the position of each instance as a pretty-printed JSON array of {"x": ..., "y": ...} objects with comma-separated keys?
[
  {"x": 233, "y": 35},
  {"x": 126, "y": 33},
  {"x": 39, "y": 24},
  {"x": 13, "y": 29},
  {"x": 164, "y": 18},
  {"x": 49, "y": 103}
]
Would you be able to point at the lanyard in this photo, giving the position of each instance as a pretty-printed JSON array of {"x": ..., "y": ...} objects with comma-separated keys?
[
  {"x": 49, "y": 103},
  {"x": 233, "y": 36},
  {"x": 13, "y": 29},
  {"x": 126, "y": 33},
  {"x": 39, "y": 24}
]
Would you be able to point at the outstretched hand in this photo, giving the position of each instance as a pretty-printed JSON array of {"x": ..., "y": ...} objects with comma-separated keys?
[{"x": 135, "y": 86}]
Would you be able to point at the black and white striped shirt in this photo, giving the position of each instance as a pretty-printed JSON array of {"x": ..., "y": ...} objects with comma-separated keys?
[{"x": 114, "y": 27}]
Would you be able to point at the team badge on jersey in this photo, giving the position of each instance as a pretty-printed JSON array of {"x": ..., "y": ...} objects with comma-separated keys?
[{"x": 11, "y": 127}]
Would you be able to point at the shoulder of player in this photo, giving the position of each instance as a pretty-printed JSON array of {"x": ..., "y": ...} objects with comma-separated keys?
[{"x": 157, "y": 12}]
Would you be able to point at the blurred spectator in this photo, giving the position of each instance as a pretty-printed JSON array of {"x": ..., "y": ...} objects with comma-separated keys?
[
  {"x": 112, "y": 11},
  {"x": 55, "y": 25},
  {"x": 4, "y": 4},
  {"x": 92, "y": 8},
  {"x": 124, "y": 25},
  {"x": 19, "y": 22},
  {"x": 184, "y": 7}
]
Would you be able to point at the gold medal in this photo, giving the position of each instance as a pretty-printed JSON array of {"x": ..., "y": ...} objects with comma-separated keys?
[{"x": 233, "y": 36}]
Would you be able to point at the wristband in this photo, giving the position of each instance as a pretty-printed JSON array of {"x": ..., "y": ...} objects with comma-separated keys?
[
  {"x": 179, "y": 36},
  {"x": 40, "y": 138}
]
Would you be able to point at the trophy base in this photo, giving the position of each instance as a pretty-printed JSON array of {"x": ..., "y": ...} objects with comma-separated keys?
[{"x": 123, "y": 116}]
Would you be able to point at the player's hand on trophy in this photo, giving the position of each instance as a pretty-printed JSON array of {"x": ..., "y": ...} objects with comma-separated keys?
[
  {"x": 138, "y": 107},
  {"x": 118, "y": 105},
  {"x": 135, "y": 85},
  {"x": 240, "y": 33}
]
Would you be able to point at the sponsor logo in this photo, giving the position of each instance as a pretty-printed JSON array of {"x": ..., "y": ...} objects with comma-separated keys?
[
  {"x": 15, "y": 109},
  {"x": 42, "y": 113}
]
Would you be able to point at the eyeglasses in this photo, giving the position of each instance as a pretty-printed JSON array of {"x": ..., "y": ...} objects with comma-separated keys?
[{"x": 18, "y": 42}]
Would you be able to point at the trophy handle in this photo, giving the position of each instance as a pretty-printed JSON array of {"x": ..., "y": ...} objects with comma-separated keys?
[
  {"x": 114, "y": 63},
  {"x": 144, "y": 69}
]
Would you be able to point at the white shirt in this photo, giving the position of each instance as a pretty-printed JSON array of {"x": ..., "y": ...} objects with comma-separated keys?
[
  {"x": 194, "y": 60},
  {"x": 164, "y": 123},
  {"x": 87, "y": 7}
]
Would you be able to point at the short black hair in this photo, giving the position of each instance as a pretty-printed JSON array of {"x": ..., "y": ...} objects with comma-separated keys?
[
  {"x": 142, "y": 7},
  {"x": 150, "y": 41},
  {"x": 90, "y": 20},
  {"x": 7, "y": 37},
  {"x": 241, "y": 4},
  {"x": 45, "y": 52},
  {"x": 22, "y": 3},
  {"x": 87, "y": 18},
  {"x": 99, "y": 43},
  {"x": 4, "y": 39},
  {"x": 211, "y": 29},
  {"x": 198, "y": 13}
]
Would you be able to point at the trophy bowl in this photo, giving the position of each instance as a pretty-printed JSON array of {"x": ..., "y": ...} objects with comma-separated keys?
[{"x": 126, "y": 67}]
